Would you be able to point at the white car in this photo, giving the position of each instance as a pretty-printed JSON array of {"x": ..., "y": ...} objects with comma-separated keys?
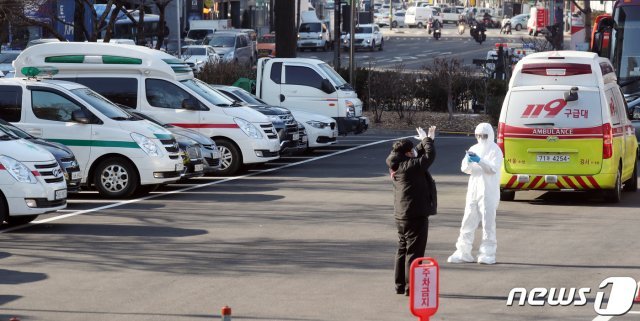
[
  {"x": 198, "y": 56},
  {"x": 31, "y": 181},
  {"x": 118, "y": 153},
  {"x": 382, "y": 19},
  {"x": 321, "y": 130},
  {"x": 366, "y": 37}
]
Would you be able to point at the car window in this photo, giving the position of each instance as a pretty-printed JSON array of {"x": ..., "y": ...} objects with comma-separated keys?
[
  {"x": 100, "y": 103},
  {"x": 122, "y": 91},
  {"x": 190, "y": 51},
  {"x": 8, "y": 57},
  {"x": 548, "y": 108},
  {"x": 302, "y": 76},
  {"x": 222, "y": 41},
  {"x": 52, "y": 106},
  {"x": 309, "y": 27},
  {"x": 163, "y": 94},
  {"x": 204, "y": 90},
  {"x": 10, "y": 103},
  {"x": 276, "y": 72}
]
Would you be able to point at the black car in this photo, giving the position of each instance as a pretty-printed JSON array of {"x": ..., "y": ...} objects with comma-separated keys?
[
  {"x": 62, "y": 153},
  {"x": 282, "y": 119}
]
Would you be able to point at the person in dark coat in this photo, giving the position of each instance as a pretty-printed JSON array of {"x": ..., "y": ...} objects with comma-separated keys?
[{"x": 414, "y": 200}]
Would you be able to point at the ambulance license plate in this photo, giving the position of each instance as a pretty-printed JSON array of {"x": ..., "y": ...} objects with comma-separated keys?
[
  {"x": 199, "y": 168},
  {"x": 296, "y": 136},
  {"x": 61, "y": 194},
  {"x": 553, "y": 158}
]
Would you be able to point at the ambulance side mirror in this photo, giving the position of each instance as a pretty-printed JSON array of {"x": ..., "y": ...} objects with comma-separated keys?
[
  {"x": 190, "y": 104},
  {"x": 571, "y": 95},
  {"x": 80, "y": 116},
  {"x": 636, "y": 113}
]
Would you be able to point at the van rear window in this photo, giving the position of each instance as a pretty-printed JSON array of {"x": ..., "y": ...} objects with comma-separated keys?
[{"x": 532, "y": 108}]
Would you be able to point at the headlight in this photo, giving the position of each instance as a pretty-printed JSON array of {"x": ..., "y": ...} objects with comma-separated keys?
[
  {"x": 351, "y": 109},
  {"x": 368, "y": 40},
  {"x": 275, "y": 119},
  {"x": 248, "y": 128},
  {"x": 147, "y": 145},
  {"x": 317, "y": 124},
  {"x": 320, "y": 36},
  {"x": 18, "y": 170}
]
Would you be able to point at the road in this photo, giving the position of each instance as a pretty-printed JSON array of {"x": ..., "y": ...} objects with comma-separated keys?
[
  {"x": 413, "y": 48},
  {"x": 305, "y": 238}
]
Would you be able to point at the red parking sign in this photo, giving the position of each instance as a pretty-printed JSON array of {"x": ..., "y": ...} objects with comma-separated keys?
[{"x": 424, "y": 288}]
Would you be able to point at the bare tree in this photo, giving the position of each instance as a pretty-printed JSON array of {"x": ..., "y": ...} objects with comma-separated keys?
[
  {"x": 16, "y": 13},
  {"x": 449, "y": 73},
  {"x": 162, "y": 23}
]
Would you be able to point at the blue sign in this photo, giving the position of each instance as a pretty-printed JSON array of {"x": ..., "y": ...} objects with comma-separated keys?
[{"x": 65, "y": 10}]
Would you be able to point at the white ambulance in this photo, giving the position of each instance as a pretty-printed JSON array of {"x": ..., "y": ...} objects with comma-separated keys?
[
  {"x": 163, "y": 86},
  {"x": 118, "y": 154},
  {"x": 31, "y": 182}
]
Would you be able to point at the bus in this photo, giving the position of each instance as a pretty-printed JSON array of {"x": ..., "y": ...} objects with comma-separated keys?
[{"x": 616, "y": 36}]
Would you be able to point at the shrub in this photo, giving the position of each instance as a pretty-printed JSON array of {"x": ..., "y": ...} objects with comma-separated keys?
[{"x": 225, "y": 73}]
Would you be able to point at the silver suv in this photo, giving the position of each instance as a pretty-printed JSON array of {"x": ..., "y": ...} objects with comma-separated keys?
[{"x": 232, "y": 47}]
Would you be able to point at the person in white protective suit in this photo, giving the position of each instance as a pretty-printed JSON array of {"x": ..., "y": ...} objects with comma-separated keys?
[{"x": 483, "y": 163}]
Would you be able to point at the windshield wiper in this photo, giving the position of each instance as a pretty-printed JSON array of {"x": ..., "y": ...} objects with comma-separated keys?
[
  {"x": 540, "y": 124},
  {"x": 345, "y": 86},
  {"x": 121, "y": 118},
  {"x": 237, "y": 103},
  {"x": 6, "y": 137}
]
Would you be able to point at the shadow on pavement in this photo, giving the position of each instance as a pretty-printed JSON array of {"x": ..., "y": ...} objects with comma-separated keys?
[
  {"x": 17, "y": 277},
  {"x": 110, "y": 230}
]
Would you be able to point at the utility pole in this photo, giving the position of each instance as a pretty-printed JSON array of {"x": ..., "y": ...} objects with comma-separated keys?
[
  {"x": 352, "y": 27},
  {"x": 298, "y": 15},
  {"x": 337, "y": 12}
]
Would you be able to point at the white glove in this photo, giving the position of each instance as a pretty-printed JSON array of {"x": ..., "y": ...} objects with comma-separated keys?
[
  {"x": 421, "y": 134},
  {"x": 432, "y": 132}
]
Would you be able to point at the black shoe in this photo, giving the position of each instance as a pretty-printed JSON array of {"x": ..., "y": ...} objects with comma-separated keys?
[
  {"x": 406, "y": 293},
  {"x": 400, "y": 291}
]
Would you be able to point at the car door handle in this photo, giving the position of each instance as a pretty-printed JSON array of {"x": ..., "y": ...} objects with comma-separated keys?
[
  {"x": 281, "y": 97},
  {"x": 36, "y": 132}
]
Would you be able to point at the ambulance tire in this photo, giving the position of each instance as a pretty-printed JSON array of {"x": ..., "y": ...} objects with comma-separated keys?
[
  {"x": 20, "y": 220},
  {"x": 632, "y": 184},
  {"x": 231, "y": 158},
  {"x": 507, "y": 196},
  {"x": 615, "y": 195},
  {"x": 119, "y": 169}
]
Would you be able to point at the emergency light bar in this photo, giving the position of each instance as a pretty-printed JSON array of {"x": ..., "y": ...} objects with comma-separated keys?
[
  {"x": 33, "y": 72},
  {"x": 564, "y": 69},
  {"x": 98, "y": 59}
]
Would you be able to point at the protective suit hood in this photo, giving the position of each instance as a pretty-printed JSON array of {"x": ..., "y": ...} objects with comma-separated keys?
[{"x": 485, "y": 144}]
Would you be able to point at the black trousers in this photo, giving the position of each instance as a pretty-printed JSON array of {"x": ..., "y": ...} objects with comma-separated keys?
[{"x": 412, "y": 242}]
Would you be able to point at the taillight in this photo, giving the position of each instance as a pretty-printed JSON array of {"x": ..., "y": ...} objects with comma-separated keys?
[
  {"x": 607, "y": 141},
  {"x": 500, "y": 140}
]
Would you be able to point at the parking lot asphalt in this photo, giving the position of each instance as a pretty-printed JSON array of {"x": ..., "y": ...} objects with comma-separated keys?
[{"x": 306, "y": 237}]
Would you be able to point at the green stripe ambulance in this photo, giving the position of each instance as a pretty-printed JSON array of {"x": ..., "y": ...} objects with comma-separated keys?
[
  {"x": 118, "y": 154},
  {"x": 158, "y": 84}
]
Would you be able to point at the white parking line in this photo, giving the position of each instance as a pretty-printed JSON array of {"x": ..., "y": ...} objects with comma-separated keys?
[{"x": 229, "y": 179}]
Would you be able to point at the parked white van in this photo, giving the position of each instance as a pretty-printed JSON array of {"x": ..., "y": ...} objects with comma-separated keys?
[
  {"x": 31, "y": 182},
  {"x": 419, "y": 16},
  {"x": 160, "y": 85},
  {"x": 118, "y": 154}
]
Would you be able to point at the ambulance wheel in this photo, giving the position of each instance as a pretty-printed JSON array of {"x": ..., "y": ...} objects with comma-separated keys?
[
  {"x": 20, "y": 220},
  {"x": 632, "y": 184},
  {"x": 230, "y": 157},
  {"x": 116, "y": 177},
  {"x": 615, "y": 195},
  {"x": 507, "y": 196}
]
